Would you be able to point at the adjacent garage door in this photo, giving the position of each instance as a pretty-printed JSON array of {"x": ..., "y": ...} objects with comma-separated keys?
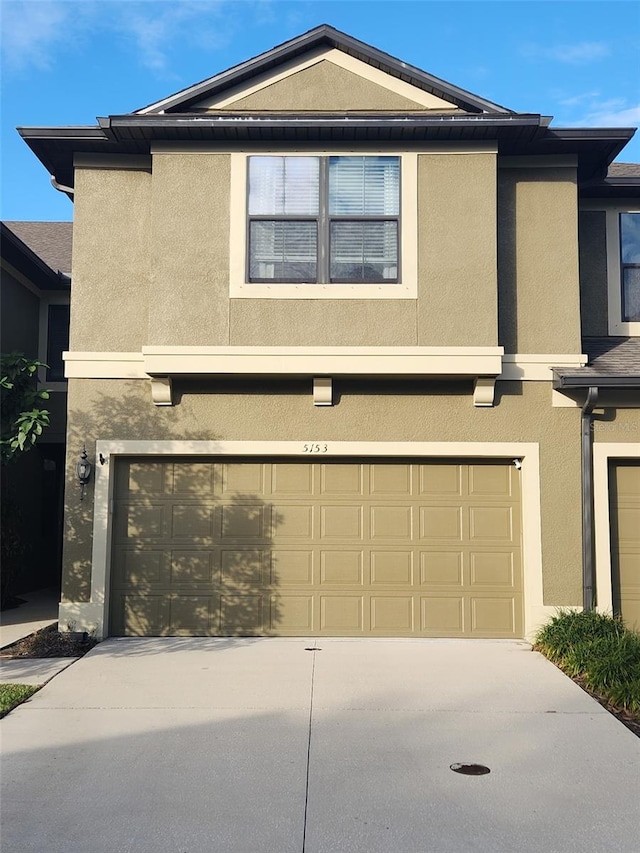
[
  {"x": 205, "y": 547},
  {"x": 625, "y": 541}
]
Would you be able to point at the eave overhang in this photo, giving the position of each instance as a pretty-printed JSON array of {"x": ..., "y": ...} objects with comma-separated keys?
[{"x": 515, "y": 134}]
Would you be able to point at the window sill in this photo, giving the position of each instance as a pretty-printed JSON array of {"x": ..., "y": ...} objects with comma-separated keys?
[{"x": 323, "y": 291}]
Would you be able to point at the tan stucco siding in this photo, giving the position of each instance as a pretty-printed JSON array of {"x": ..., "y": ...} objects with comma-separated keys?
[
  {"x": 619, "y": 426},
  {"x": 325, "y": 87},
  {"x": 366, "y": 411},
  {"x": 323, "y": 322},
  {"x": 110, "y": 260},
  {"x": 457, "y": 284},
  {"x": 594, "y": 307},
  {"x": 538, "y": 260},
  {"x": 190, "y": 250}
]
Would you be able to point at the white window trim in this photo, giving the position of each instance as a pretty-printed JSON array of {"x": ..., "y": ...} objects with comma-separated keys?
[
  {"x": 94, "y": 614},
  {"x": 617, "y": 326},
  {"x": 406, "y": 288}
]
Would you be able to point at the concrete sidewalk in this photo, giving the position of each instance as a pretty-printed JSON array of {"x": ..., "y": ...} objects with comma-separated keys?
[{"x": 230, "y": 746}]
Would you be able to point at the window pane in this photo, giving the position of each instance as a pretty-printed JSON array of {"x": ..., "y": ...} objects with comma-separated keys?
[
  {"x": 368, "y": 186},
  {"x": 283, "y": 251},
  {"x": 630, "y": 238},
  {"x": 364, "y": 251},
  {"x": 631, "y": 294},
  {"x": 280, "y": 186}
]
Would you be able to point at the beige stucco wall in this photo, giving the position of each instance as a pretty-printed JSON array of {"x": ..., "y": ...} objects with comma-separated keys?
[
  {"x": 538, "y": 260},
  {"x": 110, "y": 260},
  {"x": 325, "y": 87},
  {"x": 189, "y": 242},
  {"x": 593, "y": 272},
  {"x": 365, "y": 411},
  {"x": 457, "y": 283}
]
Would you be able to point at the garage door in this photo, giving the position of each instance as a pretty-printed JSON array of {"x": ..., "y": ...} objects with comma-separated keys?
[
  {"x": 238, "y": 547},
  {"x": 625, "y": 541}
]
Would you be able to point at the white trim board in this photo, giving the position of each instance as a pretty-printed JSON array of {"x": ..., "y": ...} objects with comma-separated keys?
[{"x": 93, "y": 615}]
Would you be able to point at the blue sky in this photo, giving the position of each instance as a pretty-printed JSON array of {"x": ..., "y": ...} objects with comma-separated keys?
[{"x": 64, "y": 62}]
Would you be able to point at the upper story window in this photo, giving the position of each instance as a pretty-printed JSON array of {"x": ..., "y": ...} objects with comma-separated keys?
[
  {"x": 630, "y": 266},
  {"x": 323, "y": 219},
  {"x": 57, "y": 341},
  {"x": 324, "y": 224},
  {"x": 623, "y": 270}
]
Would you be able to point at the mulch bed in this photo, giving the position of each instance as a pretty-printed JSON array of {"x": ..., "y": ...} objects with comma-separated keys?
[{"x": 50, "y": 643}]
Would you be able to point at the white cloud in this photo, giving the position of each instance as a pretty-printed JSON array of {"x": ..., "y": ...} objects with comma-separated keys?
[
  {"x": 35, "y": 32},
  {"x": 581, "y": 53},
  {"x": 31, "y": 31},
  {"x": 590, "y": 110}
]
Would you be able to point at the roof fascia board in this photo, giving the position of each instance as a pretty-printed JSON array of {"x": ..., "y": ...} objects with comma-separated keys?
[{"x": 330, "y": 37}]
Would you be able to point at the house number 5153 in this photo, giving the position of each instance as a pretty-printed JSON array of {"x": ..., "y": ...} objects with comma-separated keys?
[{"x": 315, "y": 448}]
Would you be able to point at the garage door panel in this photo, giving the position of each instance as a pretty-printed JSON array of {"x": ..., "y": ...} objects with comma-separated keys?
[
  {"x": 342, "y": 613},
  {"x": 491, "y": 568},
  {"x": 342, "y": 567},
  {"x": 394, "y": 480},
  {"x": 196, "y": 479},
  {"x": 441, "y": 522},
  {"x": 242, "y": 568},
  {"x": 391, "y": 522},
  {"x": 392, "y": 567},
  {"x": 316, "y": 548},
  {"x": 491, "y": 523},
  {"x": 194, "y": 567},
  {"x": 291, "y": 567},
  {"x": 392, "y": 614},
  {"x": 493, "y": 616},
  {"x": 342, "y": 480},
  {"x": 291, "y": 479},
  {"x": 244, "y": 522},
  {"x": 341, "y": 522},
  {"x": 189, "y": 521},
  {"x": 625, "y": 540},
  {"x": 242, "y": 478},
  {"x": 442, "y": 615},
  {"x": 442, "y": 568},
  {"x": 292, "y": 614},
  {"x": 443, "y": 480}
]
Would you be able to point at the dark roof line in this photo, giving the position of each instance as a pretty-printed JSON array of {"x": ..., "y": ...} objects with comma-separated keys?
[
  {"x": 16, "y": 252},
  {"x": 315, "y": 38}
]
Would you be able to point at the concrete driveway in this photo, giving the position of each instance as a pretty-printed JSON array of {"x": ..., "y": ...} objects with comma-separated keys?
[{"x": 262, "y": 746}]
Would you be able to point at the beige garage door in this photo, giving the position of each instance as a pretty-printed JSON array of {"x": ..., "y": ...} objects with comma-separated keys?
[
  {"x": 625, "y": 541},
  {"x": 236, "y": 547}
]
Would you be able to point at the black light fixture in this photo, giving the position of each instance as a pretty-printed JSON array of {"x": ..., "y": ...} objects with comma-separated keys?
[{"x": 83, "y": 470}]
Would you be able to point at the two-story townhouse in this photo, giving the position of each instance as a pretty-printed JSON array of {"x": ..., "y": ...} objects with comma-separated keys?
[
  {"x": 34, "y": 314},
  {"x": 326, "y": 354}
]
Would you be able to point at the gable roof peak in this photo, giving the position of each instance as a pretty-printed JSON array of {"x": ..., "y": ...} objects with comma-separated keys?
[{"x": 318, "y": 37}]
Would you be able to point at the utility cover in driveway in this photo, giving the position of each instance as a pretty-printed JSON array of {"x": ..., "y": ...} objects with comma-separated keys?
[{"x": 204, "y": 547}]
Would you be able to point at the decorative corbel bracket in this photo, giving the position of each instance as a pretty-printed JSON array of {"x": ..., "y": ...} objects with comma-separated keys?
[
  {"x": 161, "y": 391},
  {"x": 484, "y": 390},
  {"x": 322, "y": 391}
]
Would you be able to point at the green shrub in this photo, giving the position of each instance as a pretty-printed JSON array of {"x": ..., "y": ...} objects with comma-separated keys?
[
  {"x": 598, "y": 650},
  {"x": 12, "y": 695}
]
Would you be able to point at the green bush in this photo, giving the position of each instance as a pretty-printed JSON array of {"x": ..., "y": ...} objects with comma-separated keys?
[
  {"x": 598, "y": 650},
  {"x": 12, "y": 695}
]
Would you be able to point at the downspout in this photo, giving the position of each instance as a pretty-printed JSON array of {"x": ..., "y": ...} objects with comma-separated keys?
[
  {"x": 588, "y": 560},
  {"x": 60, "y": 187}
]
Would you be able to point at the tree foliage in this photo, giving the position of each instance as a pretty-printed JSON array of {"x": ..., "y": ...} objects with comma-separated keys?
[{"x": 22, "y": 416}]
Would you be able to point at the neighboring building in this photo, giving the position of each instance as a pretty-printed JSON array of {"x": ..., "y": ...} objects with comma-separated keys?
[
  {"x": 34, "y": 296},
  {"x": 330, "y": 327}
]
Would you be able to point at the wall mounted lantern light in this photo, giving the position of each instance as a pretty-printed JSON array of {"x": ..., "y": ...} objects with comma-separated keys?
[{"x": 83, "y": 470}]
